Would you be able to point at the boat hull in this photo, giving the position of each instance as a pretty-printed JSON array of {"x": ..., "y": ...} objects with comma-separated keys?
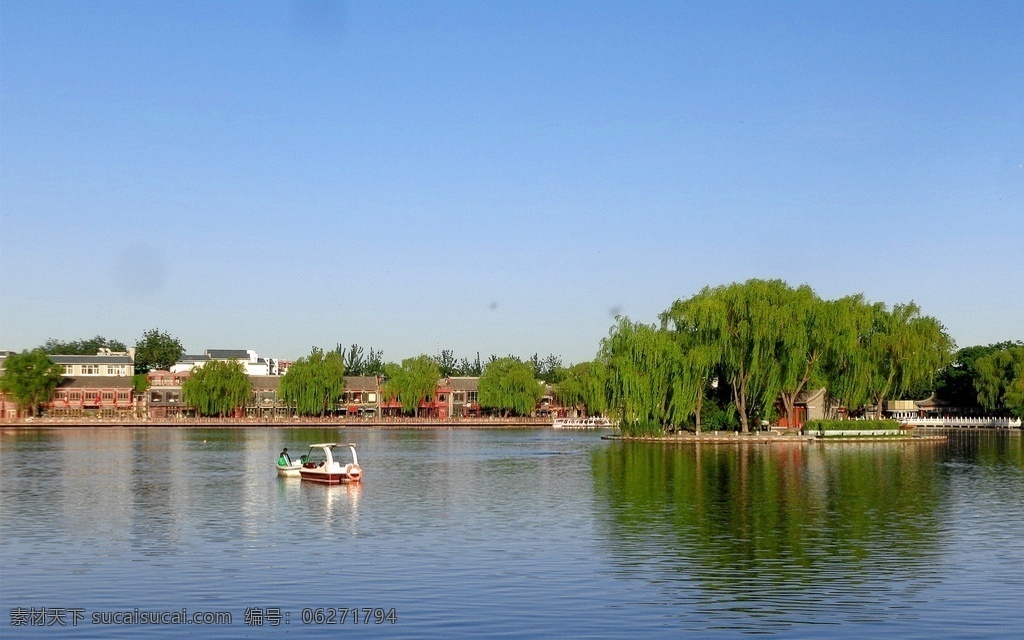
[
  {"x": 289, "y": 472},
  {"x": 343, "y": 476}
]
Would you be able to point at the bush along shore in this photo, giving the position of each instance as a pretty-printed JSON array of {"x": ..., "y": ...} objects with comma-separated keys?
[
  {"x": 813, "y": 431},
  {"x": 857, "y": 429}
]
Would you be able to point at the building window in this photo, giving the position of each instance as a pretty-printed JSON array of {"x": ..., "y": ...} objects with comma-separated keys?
[
  {"x": 471, "y": 397},
  {"x": 68, "y": 369},
  {"x": 90, "y": 370},
  {"x": 115, "y": 369}
]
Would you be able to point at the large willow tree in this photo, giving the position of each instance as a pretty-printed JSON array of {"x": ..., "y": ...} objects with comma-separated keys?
[
  {"x": 644, "y": 385},
  {"x": 30, "y": 378},
  {"x": 217, "y": 388},
  {"x": 583, "y": 387},
  {"x": 767, "y": 342},
  {"x": 412, "y": 381},
  {"x": 901, "y": 350},
  {"x": 314, "y": 383},
  {"x": 756, "y": 333},
  {"x": 1000, "y": 380},
  {"x": 509, "y": 386}
]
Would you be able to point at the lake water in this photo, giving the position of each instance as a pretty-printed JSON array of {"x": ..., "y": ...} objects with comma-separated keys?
[{"x": 508, "y": 533}]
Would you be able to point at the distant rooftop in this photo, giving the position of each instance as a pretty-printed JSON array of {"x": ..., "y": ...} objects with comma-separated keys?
[
  {"x": 228, "y": 354},
  {"x": 98, "y": 359}
]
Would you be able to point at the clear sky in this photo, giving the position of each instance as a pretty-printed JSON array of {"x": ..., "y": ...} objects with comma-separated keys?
[{"x": 499, "y": 177}]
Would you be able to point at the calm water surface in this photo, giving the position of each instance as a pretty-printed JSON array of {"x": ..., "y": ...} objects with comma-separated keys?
[{"x": 518, "y": 533}]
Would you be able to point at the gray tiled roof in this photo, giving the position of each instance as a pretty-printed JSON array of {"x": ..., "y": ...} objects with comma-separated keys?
[
  {"x": 91, "y": 360},
  {"x": 361, "y": 383},
  {"x": 228, "y": 354},
  {"x": 266, "y": 383},
  {"x": 464, "y": 383},
  {"x": 97, "y": 382}
]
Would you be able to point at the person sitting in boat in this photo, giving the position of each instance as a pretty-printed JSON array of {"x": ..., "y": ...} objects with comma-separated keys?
[{"x": 284, "y": 459}]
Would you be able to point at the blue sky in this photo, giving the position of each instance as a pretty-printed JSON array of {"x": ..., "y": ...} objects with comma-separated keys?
[{"x": 499, "y": 177}]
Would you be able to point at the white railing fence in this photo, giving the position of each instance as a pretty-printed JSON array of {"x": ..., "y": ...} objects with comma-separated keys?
[{"x": 1004, "y": 423}]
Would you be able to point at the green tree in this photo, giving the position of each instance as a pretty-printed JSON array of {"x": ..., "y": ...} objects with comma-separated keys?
[
  {"x": 474, "y": 368},
  {"x": 1000, "y": 380},
  {"x": 699, "y": 359},
  {"x": 157, "y": 350},
  {"x": 412, "y": 381},
  {"x": 644, "y": 386},
  {"x": 86, "y": 347},
  {"x": 956, "y": 383},
  {"x": 217, "y": 388},
  {"x": 30, "y": 378},
  {"x": 548, "y": 369},
  {"x": 446, "y": 363},
  {"x": 508, "y": 385},
  {"x": 361, "y": 363},
  {"x": 902, "y": 350},
  {"x": 353, "y": 358},
  {"x": 313, "y": 384},
  {"x": 747, "y": 328},
  {"x": 583, "y": 387},
  {"x": 846, "y": 367}
]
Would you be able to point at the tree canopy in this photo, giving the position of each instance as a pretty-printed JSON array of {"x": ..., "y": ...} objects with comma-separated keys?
[
  {"x": 1000, "y": 380},
  {"x": 359, "y": 363},
  {"x": 85, "y": 347},
  {"x": 956, "y": 383},
  {"x": 314, "y": 383},
  {"x": 412, "y": 381},
  {"x": 765, "y": 342},
  {"x": 157, "y": 350},
  {"x": 583, "y": 387},
  {"x": 30, "y": 377},
  {"x": 508, "y": 385},
  {"x": 901, "y": 349},
  {"x": 217, "y": 388}
]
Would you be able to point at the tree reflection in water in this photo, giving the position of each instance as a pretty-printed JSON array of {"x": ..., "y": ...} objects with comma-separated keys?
[{"x": 788, "y": 531}]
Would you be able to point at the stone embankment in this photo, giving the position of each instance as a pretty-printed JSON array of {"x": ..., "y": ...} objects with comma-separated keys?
[{"x": 344, "y": 423}]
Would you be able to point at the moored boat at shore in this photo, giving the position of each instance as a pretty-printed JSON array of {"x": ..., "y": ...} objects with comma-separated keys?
[
  {"x": 592, "y": 422},
  {"x": 322, "y": 466}
]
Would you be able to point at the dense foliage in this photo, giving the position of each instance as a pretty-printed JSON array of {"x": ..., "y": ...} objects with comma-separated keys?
[
  {"x": 30, "y": 378},
  {"x": 359, "y": 363},
  {"x": 313, "y": 384},
  {"x": 1000, "y": 380},
  {"x": 157, "y": 350},
  {"x": 217, "y": 388},
  {"x": 846, "y": 425},
  {"x": 582, "y": 388},
  {"x": 507, "y": 385},
  {"x": 86, "y": 347},
  {"x": 762, "y": 341},
  {"x": 412, "y": 381}
]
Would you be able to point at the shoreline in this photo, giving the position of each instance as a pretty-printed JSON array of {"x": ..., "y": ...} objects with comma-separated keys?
[
  {"x": 410, "y": 423},
  {"x": 739, "y": 438}
]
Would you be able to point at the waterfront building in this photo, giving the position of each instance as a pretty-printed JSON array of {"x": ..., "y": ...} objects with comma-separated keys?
[
  {"x": 252, "y": 362},
  {"x": 162, "y": 400},
  {"x": 361, "y": 397},
  {"x": 99, "y": 385}
]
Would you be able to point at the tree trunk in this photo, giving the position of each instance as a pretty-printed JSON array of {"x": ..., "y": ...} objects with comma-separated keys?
[
  {"x": 739, "y": 396},
  {"x": 789, "y": 407},
  {"x": 700, "y": 407}
]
